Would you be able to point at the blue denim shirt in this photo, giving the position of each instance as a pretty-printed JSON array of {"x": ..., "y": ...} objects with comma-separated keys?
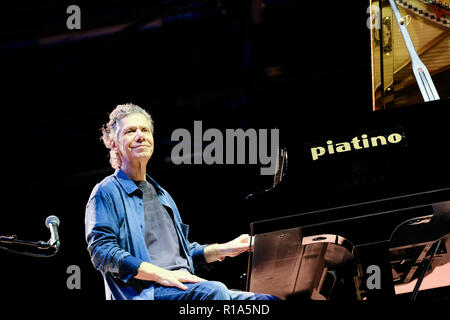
[{"x": 115, "y": 234}]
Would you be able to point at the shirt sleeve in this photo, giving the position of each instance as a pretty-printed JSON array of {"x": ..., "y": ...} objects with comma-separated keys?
[
  {"x": 197, "y": 252},
  {"x": 102, "y": 236}
]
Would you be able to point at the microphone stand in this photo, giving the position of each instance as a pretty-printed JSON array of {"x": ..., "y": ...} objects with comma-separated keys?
[{"x": 39, "y": 244}]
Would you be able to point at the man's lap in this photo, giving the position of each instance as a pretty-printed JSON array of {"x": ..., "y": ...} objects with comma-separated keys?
[{"x": 207, "y": 290}]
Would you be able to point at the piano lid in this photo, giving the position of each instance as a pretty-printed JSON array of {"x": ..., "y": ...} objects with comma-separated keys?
[{"x": 428, "y": 25}]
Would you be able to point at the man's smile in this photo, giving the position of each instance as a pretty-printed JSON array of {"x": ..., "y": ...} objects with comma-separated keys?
[{"x": 141, "y": 146}]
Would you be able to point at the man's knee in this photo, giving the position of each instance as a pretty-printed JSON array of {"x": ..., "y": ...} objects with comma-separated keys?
[{"x": 214, "y": 290}]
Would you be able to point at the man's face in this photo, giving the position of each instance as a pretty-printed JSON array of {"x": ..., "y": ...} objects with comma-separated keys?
[{"x": 134, "y": 139}]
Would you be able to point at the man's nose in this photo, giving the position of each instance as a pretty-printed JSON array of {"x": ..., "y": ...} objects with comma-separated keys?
[{"x": 139, "y": 135}]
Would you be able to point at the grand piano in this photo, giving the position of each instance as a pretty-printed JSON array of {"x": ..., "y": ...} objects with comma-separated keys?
[
  {"x": 388, "y": 208},
  {"x": 360, "y": 204}
]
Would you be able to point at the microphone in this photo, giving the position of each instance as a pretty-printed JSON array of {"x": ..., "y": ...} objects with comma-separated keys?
[{"x": 52, "y": 222}]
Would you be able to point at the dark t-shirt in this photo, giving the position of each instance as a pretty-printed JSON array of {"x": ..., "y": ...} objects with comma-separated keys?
[{"x": 161, "y": 237}]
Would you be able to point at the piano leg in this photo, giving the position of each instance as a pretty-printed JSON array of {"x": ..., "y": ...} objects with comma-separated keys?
[{"x": 424, "y": 271}]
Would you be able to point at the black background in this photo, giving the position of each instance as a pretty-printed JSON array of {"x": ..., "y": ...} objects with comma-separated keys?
[{"x": 214, "y": 67}]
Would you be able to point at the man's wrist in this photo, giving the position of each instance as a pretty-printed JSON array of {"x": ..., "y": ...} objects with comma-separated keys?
[
  {"x": 147, "y": 271},
  {"x": 212, "y": 253}
]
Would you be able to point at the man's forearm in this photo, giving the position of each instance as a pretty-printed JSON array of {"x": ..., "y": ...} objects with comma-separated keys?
[
  {"x": 218, "y": 251},
  {"x": 148, "y": 271},
  {"x": 213, "y": 253},
  {"x": 151, "y": 272}
]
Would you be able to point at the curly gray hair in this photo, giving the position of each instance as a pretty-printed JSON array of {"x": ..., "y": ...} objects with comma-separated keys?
[{"x": 110, "y": 132}]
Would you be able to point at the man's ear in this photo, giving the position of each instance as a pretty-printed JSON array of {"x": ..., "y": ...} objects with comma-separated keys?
[{"x": 114, "y": 146}]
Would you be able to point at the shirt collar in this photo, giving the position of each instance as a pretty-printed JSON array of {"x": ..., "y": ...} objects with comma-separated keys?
[{"x": 128, "y": 184}]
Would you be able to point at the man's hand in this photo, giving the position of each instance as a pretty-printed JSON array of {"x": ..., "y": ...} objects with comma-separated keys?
[
  {"x": 215, "y": 252},
  {"x": 151, "y": 272}
]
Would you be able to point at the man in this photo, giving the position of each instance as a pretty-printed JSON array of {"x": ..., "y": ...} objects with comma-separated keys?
[{"x": 134, "y": 232}]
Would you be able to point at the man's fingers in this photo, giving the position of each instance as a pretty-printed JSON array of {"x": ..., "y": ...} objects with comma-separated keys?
[
  {"x": 200, "y": 279},
  {"x": 238, "y": 252},
  {"x": 183, "y": 276},
  {"x": 173, "y": 283},
  {"x": 191, "y": 279},
  {"x": 180, "y": 285}
]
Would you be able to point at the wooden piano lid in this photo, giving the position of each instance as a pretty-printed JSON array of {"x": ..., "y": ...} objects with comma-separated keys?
[{"x": 428, "y": 24}]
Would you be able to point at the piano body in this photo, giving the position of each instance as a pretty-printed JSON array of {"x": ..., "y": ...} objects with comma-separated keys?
[
  {"x": 360, "y": 207},
  {"x": 333, "y": 220}
]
